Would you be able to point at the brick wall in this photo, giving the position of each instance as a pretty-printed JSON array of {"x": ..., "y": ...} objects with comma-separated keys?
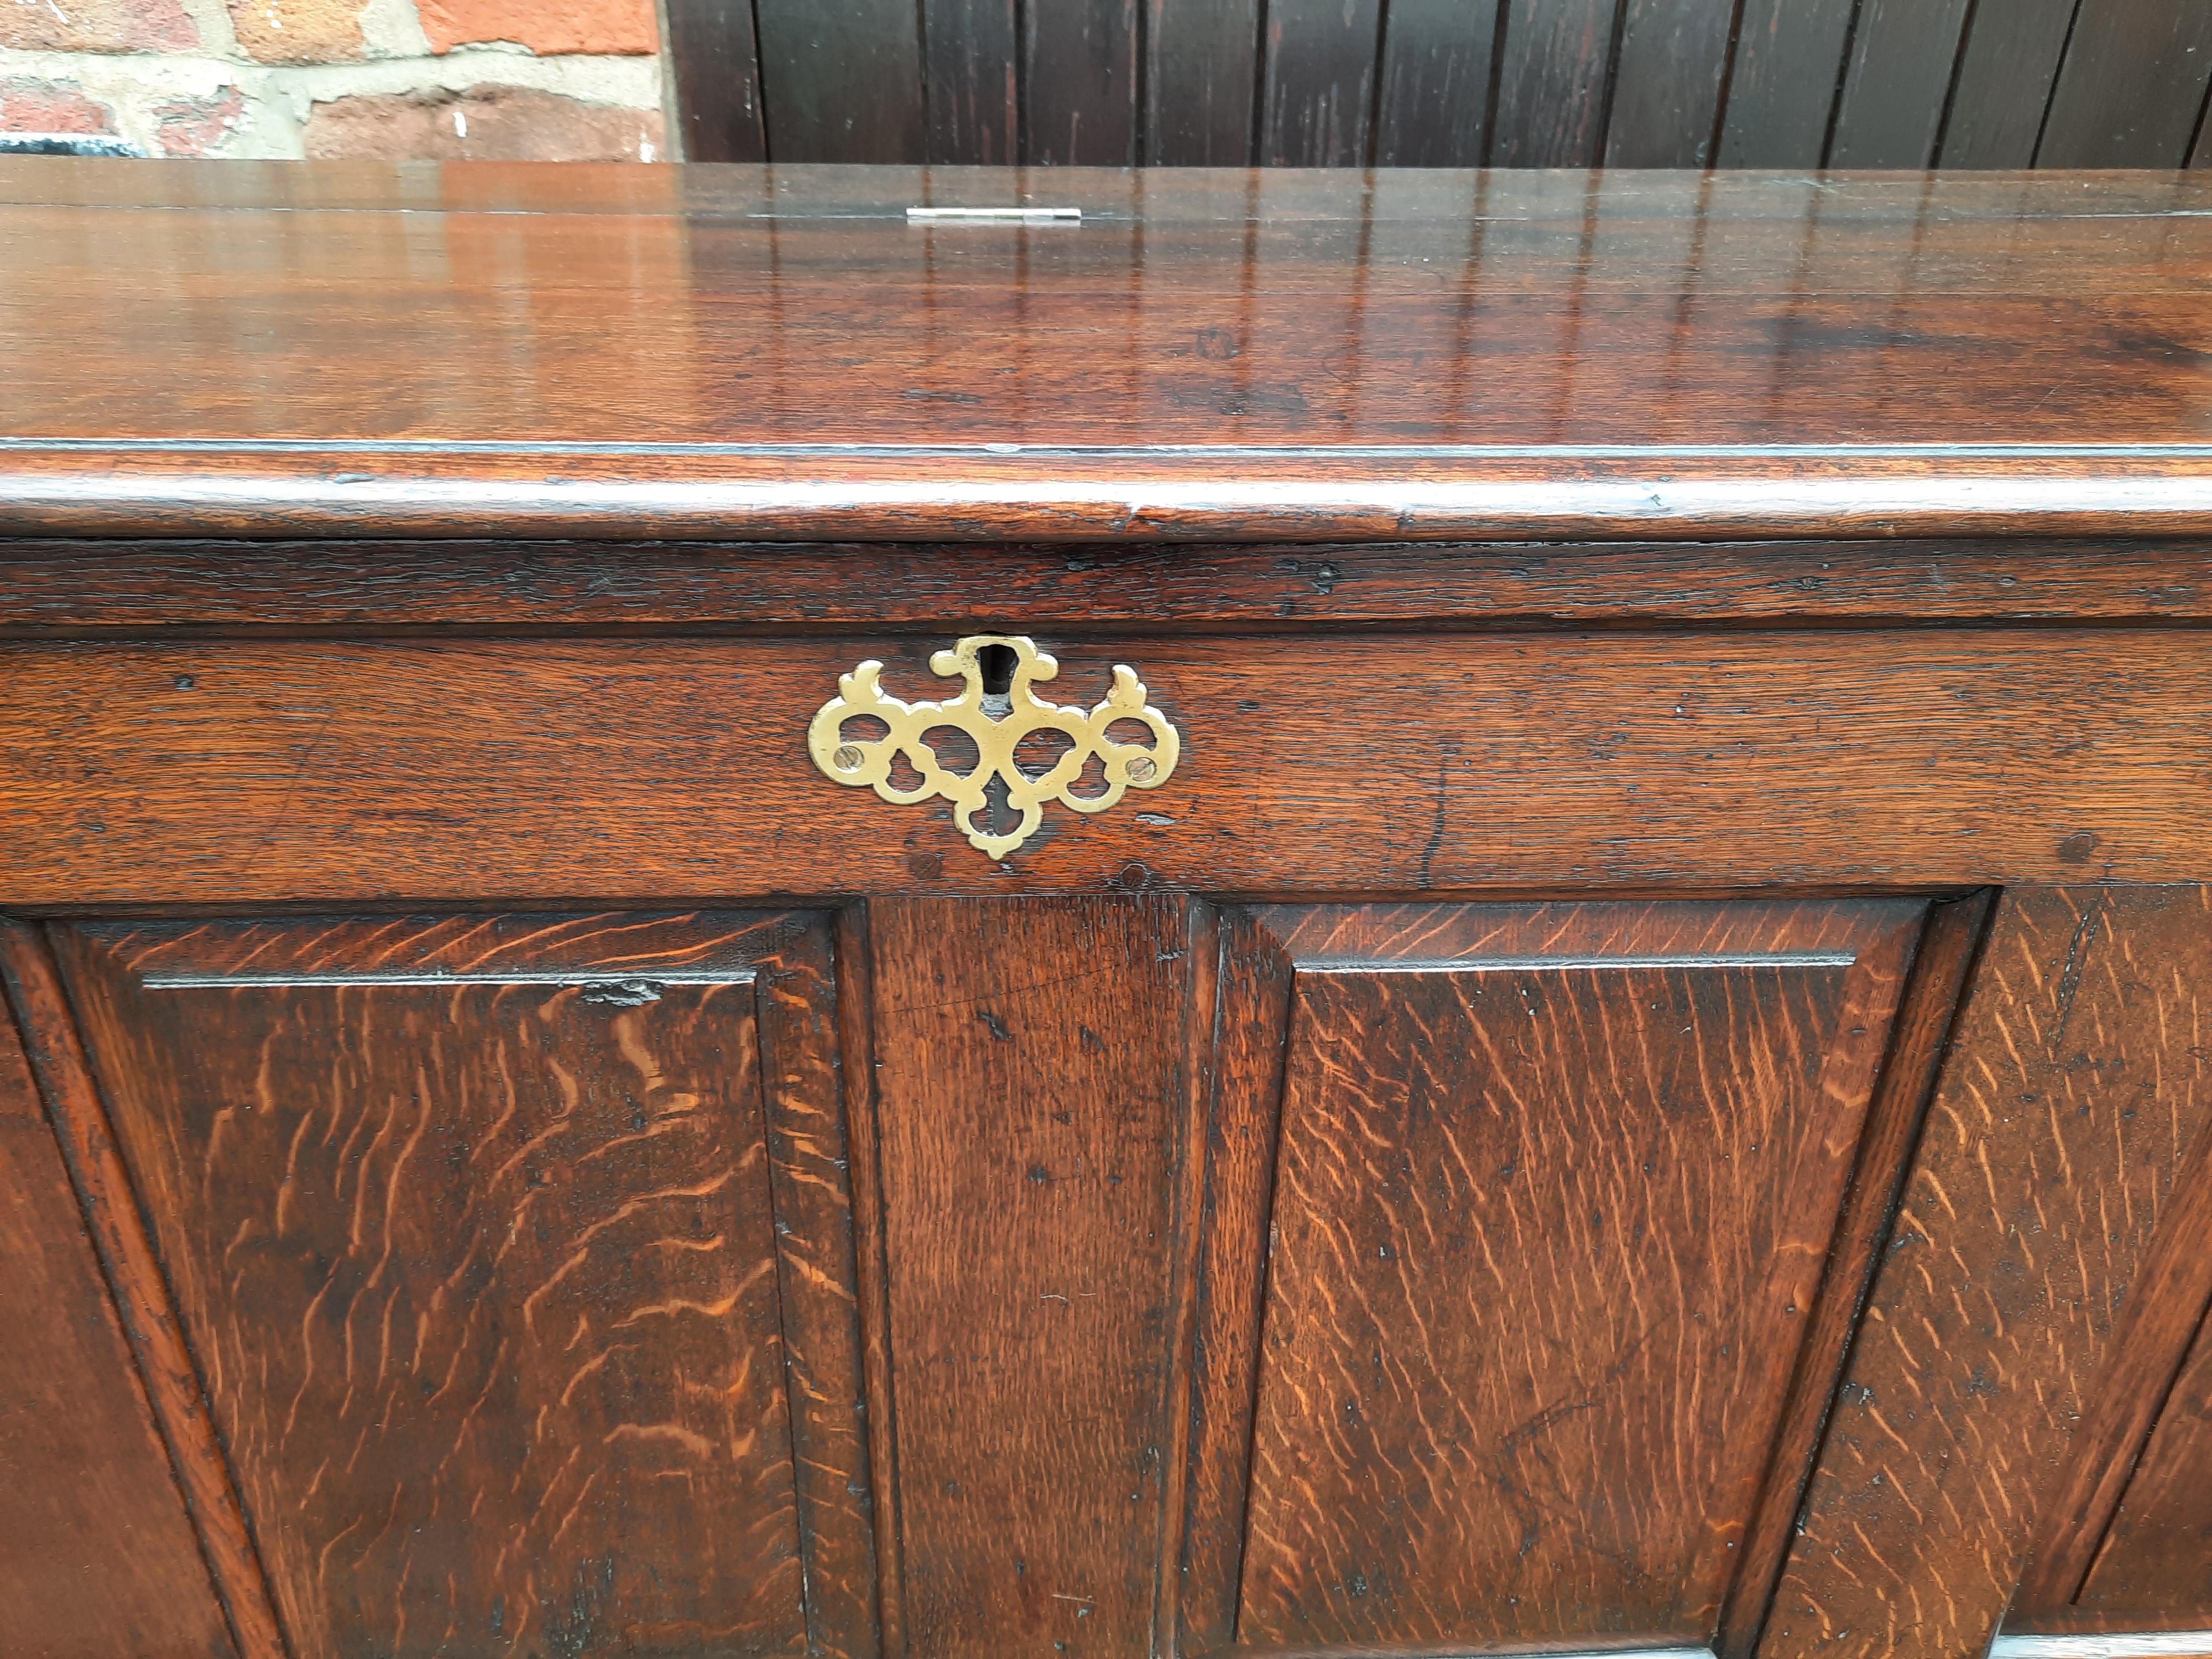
[{"x": 552, "y": 80}]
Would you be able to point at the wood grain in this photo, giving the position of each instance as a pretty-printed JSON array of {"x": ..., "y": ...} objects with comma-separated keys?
[
  {"x": 84, "y": 589},
  {"x": 813, "y": 60},
  {"x": 1890, "y": 112},
  {"x": 1918, "y": 1042},
  {"x": 475, "y": 1225},
  {"x": 1433, "y": 104},
  {"x": 715, "y": 61},
  {"x": 1553, "y": 83},
  {"x": 97, "y": 1556},
  {"x": 971, "y": 58},
  {"x": 1321, "y": 67},
  {"x": 1079, "y": 84},
  {"x": 2131, "y": 91},
  {"x": 1506, "y": 1395},
  {"x": 167, "y": 1365},
  {"x": 219, "y": 772},
  {"x": 1964, "y": 355},
  {"x": 2152, "y": 1562},
  {"x": 1667, "y": 86},
  {"x": 1790, "y": 57},
  {"x": 1032, "y": 1079},
  {"x": 2007, "y": 70},
  {"x": 1200, "y": 81},
  {"x": 2072, "y": 1093}
]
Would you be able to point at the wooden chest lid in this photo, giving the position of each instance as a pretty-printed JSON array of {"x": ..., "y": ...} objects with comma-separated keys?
[{"x": 342, "y": 349}]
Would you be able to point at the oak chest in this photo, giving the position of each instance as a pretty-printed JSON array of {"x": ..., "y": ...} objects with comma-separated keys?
[{"x": 1293, "y": 914}]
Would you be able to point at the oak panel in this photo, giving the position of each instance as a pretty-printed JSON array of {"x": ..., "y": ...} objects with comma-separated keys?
[
  {"x": 2074, "y": 1089},
  {"x": 2156, "y": 1562},
  {"x": 217, "y": 771},
  {"x": 1031, "y": 1073},
  {"x": 97, "y": 1557},
  {"x": 1554, "y": 1192},
  {"x": 473, "y": 1225}
]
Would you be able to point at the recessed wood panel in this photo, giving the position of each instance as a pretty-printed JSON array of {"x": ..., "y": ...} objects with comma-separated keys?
[
  {"x": 2028, "y": 1241},
  {"x": 473, "y": 1224},
  {"x": 1554, "y": 1192},
  {"x": 1032, "y": 1066},
  {"x": 97, "y": 1559},
  {"x": 2156, "y": 1562}
]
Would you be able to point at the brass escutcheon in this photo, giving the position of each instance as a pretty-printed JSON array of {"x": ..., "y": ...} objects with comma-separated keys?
[{"x": 997, "y": 733}]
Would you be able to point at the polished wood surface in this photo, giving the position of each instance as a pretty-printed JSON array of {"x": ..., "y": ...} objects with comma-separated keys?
[
  {"x": 97, "y": 1557},
  {"x": 221, "y": 772},
  {"x": 449, "y": 1205},
  {"x": 776, "y": 351},
  {"x": 2074, "y": 1096}
]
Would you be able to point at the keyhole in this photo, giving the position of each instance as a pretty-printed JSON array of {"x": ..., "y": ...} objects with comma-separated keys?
[{"x": 997, "y": 662}]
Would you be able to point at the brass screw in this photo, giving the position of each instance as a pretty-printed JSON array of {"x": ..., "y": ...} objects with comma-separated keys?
[
  {"x": 847, "y": 758},
  {"x": 1141, "y": 769}
]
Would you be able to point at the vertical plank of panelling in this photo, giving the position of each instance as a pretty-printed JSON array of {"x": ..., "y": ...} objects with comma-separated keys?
[
  {"x": 1903, "y": 55},
  {"x": 810, "y": 1162},
  {"x": 1666, "y": 89},
  {"x": 1781, "y": 92},
  {"x": 1320, "y": 63},
  {"x": 1254, "y": 994},
  {"x": 2075, "y": 1088},
  {"x": 172, "y": 1383},
  {"x": 2132, "y": 88},
  {"x": 1551, "y": 85},
  {"x": 971, "y": 50},
  {"x": 1079, "y": 84},
  {"x": 841, "y": 82},
  {"x": 716, "y": 63},
  {"x": 2150, "y": 1569},
  {"x": 1031, "y": 1082},
  {"x": 1952, "y": 936},
  {"x": 857, "y": 1060},
  {"x": 1202, "y": 64},
  {"x": 97, "y": 1552},
  {"x": 1433, "y": 106},
  {"x": 2006, "y": 74}
]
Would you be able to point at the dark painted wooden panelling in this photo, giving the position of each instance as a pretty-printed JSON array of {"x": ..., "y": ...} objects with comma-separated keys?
[
  {"x": 2006, "y": 71},
  {"x": 2077, "y": 1082},
  {"x": 1321, "y": 68},
  {"x": 1667, "y": 86},
  {"x": 1433, "y": 105},
  {"x": 1079, "y": 83},
  {"x": 841, "y": 82},
  {"x": 716, "y": 63},
  {"x": 2132, "y": 88},
  {"x": 1899, "y": 81},
  {"x": 971, "y": 53},
  {"x": 1558, "y": 58},
  {"x": 97, "y": 1559},
  {"x": 1503, "y": 1397},
  {"x": 1782, "y": 91},
  {"x": 484, "y": 1275},
  {"x": 1032, "y": 1062},
  {"x": 1201, "y": 77}
]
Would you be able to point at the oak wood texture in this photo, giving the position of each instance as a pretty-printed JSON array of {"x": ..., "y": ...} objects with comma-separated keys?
[
  {"x": 1505, "y": 1395},
  {"x": 513, "y": 1292},
  {"x": 1318, "y": 80},
  {"x": 1211, "y": 355},
  {"x": 97, "y": 1556},
  {"x": 2152, "y": 1564},
  {"x": 222, "y": 772},
  {"x": 86, "y": 589},
  {"x": 173, "y": 1380},
  {"x": 1032, "y": 1103},
  {"x": 2074, "y": 1091}
]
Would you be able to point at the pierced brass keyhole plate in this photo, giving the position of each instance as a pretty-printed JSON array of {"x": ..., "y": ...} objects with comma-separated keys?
[{"x": 997, "y": 733}]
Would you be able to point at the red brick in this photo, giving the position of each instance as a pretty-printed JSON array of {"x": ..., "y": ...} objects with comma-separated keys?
[
  {"x": 546, "y": 26},
  {"x": 297, "y": 31},
  {"x": 495, "y": 124},
  {"x": 96, "y": 25},
  {"x": 194, "y": 126},
  {"x": 29, "y": 106}
]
